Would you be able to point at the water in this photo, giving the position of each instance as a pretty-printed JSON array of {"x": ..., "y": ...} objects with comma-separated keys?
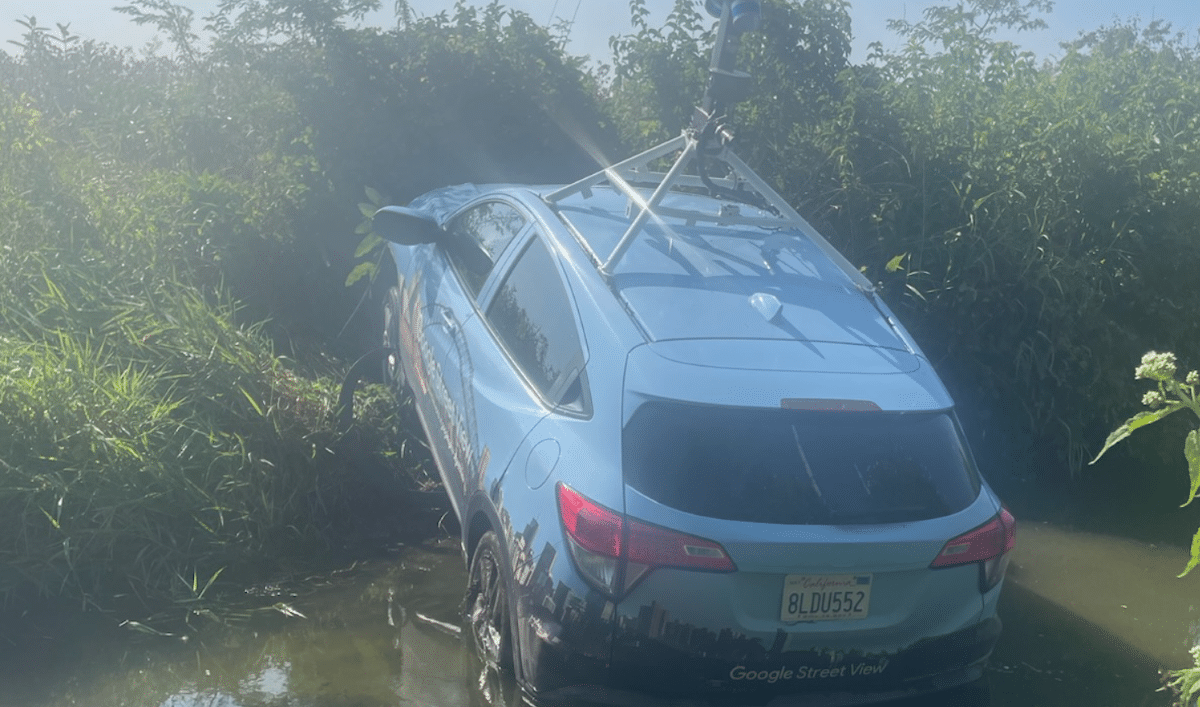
[{"x": 1088, "y": 621}]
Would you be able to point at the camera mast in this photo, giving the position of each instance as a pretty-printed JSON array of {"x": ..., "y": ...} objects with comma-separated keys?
[{"x": 706, "y": 143}]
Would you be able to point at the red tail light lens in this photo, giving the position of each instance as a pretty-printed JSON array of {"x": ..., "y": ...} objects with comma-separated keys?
[
  {"x": 594, "y": 527},
  {"x": 658, "y": 547},
  {"x": 614, "y": 551},
  {"x": 987, "y": 545}
]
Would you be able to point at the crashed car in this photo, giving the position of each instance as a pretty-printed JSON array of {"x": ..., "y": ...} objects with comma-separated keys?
[{"x": 693, "y": 454}]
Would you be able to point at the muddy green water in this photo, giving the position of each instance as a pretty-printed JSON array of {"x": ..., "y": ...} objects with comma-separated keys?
[{"x": 1088, "y": 619}]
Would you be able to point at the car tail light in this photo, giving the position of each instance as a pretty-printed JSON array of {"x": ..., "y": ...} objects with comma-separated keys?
[
  {"x": 987, "y": 545},
  {"x": 614, "y": 551}
]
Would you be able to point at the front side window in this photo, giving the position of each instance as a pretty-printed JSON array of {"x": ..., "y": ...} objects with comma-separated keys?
[
  {"x": 478, "y": 237},
  {"x": 532, "y": 316}
]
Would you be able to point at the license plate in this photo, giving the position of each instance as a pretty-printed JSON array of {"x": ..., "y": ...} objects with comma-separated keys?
[{"x": 825, "y": 597}]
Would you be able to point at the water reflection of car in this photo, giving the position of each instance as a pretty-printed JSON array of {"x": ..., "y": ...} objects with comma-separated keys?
[{"x": 693, "y": 457}]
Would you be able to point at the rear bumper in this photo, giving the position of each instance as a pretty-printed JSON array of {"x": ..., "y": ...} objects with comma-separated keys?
[{"x": 652, "y": 674}]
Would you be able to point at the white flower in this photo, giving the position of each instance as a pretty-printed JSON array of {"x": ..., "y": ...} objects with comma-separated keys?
[
  {"x": 1154, "y": 399},
  {"x": 1156, "y": 366}
]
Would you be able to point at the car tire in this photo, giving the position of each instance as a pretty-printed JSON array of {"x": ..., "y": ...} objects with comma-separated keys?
[
  {"x": 486, "y": 608},
  {"x": 392, "y": 369}
]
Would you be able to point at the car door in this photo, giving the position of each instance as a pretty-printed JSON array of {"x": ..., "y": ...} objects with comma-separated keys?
[
  {"x": 533, "y": 355},
  {"x": 475, "y": 240},
  {"x": 522, "y": 352},
  {"x": 545, "y": 401}
]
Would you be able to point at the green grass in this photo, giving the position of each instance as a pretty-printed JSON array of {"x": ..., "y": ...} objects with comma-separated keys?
[
  {"x": 153, "y": 444},
  {"x": 173, "y": 443}
]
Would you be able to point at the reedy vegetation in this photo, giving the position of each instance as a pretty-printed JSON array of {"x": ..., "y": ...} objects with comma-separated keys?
[
  {"x": 1034, "y": 223},
  {"x": 150, "y": 434}
]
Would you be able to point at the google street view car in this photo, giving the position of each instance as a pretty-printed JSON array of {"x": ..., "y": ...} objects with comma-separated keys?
[{"x": 694, "y": 456}]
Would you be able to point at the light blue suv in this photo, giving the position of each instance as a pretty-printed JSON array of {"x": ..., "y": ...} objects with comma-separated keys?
[
  {"x": 695, "y": 458},
  {"x": 719, "y": 468}
]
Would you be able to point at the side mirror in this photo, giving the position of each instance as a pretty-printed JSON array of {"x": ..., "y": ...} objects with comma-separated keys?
[{"x": 400, "y": 224}]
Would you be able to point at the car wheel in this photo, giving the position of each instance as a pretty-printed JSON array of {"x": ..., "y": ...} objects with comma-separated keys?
[
  {"x": 393, "y": 371},
  {"x": 486, "y": 606}
]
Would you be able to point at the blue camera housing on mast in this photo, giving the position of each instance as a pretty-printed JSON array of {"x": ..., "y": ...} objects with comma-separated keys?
[
  {"x": 726, "y": 85},
  {"x": 744, "y": 15}
]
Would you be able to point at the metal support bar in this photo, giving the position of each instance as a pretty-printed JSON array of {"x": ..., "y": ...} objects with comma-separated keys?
[
  {"x": 682, "y": 180},
  {"x": 773, "y": 222},
  {"x": 610, "y": 173},
  {"x": 743, "y": 170},
  {"x": 636, "y": 169},
  {"x": 626, "y": 240}
]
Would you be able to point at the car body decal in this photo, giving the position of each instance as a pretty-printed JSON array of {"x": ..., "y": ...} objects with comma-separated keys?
[{"x": 454, "y": 414}]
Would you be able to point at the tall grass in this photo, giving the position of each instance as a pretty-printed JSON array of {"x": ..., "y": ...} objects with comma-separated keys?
[
  {"x": 149, "y": 437},
  {"x": 149, "y": 433}
]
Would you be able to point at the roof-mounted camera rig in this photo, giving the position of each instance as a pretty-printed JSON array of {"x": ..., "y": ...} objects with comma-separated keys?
[
  {"x": 706, "y": 140},
  {"x": 726, "y": 84}
]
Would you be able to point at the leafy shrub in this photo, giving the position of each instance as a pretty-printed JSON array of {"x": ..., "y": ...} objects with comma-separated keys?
[
  {"x": 147, "y": 434},
  {"x": 1171, "y": 394}
]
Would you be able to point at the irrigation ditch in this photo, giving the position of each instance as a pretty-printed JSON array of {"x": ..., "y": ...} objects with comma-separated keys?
[{"x": 1089, "y": 620}]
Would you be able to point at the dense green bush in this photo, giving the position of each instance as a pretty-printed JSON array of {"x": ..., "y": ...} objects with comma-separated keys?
[
  {"x": 151, "y": 434},
  {"x": 1050, "y": 216},
  {"x": 477, "y": 95},
  {"x": 148, "y": 435}
]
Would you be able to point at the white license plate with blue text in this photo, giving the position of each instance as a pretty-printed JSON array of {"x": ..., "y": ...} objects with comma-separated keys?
[{"x": 825, "y": 597}]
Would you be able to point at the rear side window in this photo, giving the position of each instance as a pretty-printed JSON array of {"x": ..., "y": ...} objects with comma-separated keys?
[
  {"x": 532, "y": 316},
  {"x": 799, "y": 467},
  {"x": 478, "y": 237}
]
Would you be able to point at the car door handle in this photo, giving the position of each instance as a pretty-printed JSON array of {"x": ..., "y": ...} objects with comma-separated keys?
[{"x": 447, "y": 318}]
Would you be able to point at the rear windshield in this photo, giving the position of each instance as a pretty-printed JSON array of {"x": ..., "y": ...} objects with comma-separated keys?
[{"x": 799, "y": 467}]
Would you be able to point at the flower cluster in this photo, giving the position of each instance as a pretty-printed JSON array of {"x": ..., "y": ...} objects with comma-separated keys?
[
  {"x": 1154, "y": 399},
  {"x": 1156, "y": 366},
  {"x": 1193, "y": 378}
]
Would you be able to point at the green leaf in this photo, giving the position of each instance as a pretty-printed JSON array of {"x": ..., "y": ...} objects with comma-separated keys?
[
  {"x": 1191, "y": 450},
  {"x": 253, "y": 402},
  {"x": 1139, "y": 420},
  {"x": 368, "y": 244},
  {"x": 1195, "y": 555},
  {"x": 374, "y": 197},
  {"x": 52, "y": 520},
  {"x": 367, "y": 210},
  {"x": 359, "y": 272},
  {"x": 209, "y": 583},
  {"x": 895, "y": 263}
]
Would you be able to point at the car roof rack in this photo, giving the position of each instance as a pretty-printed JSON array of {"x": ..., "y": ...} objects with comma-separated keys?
[
  {"x": 705, "y": 141},
  {"x": 742, "y": 185}
]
